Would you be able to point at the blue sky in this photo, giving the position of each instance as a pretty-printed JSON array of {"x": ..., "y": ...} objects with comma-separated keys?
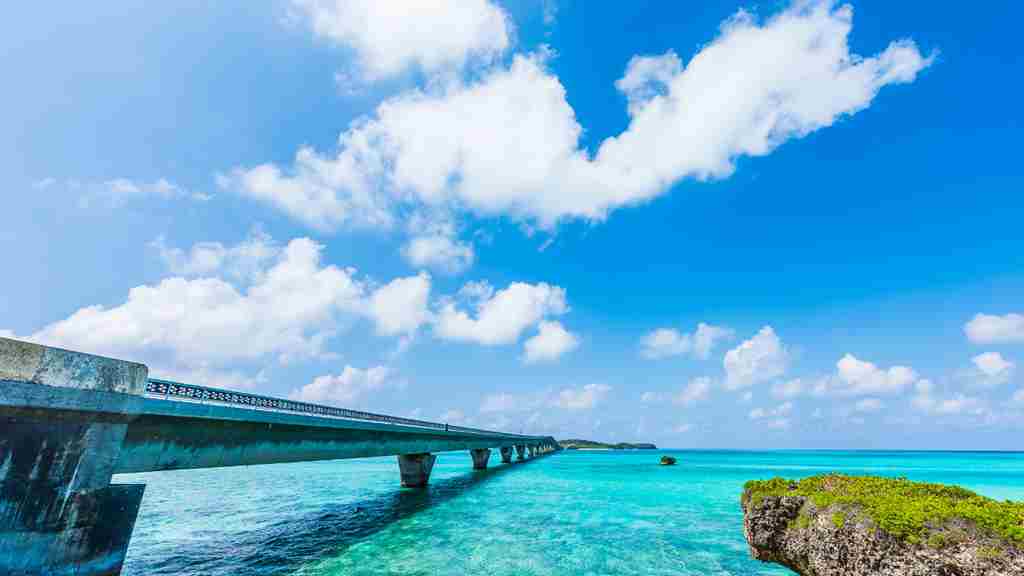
[{"x": 726, "y": 225}]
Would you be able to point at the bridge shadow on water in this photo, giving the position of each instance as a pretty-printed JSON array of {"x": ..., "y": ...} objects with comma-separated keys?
[{"x": 290, "y": 543}]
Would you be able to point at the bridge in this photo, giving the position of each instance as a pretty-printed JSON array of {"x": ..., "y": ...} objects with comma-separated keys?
[{"x": 70, "y": 421}]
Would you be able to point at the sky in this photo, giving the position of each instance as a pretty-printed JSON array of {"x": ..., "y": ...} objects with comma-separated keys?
[{"x": 704, "y": 225}]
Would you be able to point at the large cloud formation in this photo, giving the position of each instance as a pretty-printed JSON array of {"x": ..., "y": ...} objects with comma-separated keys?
[{"x": 508, "y": 143}]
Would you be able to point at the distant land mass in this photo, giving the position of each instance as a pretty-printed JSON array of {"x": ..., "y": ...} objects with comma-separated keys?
[{"x": 577, "y": 444}]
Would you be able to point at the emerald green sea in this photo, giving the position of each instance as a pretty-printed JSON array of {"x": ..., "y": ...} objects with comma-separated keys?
[{"x": 571, "y": 513}]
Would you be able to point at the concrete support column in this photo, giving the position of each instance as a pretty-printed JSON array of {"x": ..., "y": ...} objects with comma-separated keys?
[
  {"x": 480, "y": 458},
  {"x": 506, "y": 454},
  {"x": 533, "y": 451},
  {"x": 520, "y": 451},
  {"x": 60, "y": 514},
  {"x": 415, "y": 469}
]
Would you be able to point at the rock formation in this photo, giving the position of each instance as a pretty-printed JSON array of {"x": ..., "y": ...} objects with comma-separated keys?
[{"x": 833, "y": 526}]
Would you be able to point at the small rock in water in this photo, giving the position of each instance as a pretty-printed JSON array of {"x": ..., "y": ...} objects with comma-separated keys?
[{"x": 667, "y": 461}]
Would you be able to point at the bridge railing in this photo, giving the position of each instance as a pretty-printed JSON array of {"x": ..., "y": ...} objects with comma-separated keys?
[{"x": 168, "y": 389}]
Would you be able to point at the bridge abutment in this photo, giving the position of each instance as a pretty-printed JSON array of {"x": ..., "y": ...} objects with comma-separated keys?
[
  {"x": 480, "y": 458},
  {"x": 506, "y": 454},
  {"x": 415, "y": 469},
  {"x": 59, "y": 514}
]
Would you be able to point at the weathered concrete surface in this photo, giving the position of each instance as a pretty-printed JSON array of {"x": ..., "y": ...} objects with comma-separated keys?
[
  {"x": 506, "y": 454},
  {"x": 415, "y": 469},
  {"x": 820, "y": 546},
  {"x": 58, "y": 512},
  {"x": 480, "y": 458},
  {"x": 27, "y": 362}
]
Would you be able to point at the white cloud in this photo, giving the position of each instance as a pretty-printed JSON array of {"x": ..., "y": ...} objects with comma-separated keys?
[
  {"x": 1018, "y": 396},
  {"x": 647, "y": 77},
  {"x": 989, "y": 370},
  {"x": 118, "y": 191},
  {"x": 747, "y": 396},
  {"x": 868, "y": 405},
  {"x": 665, "y": 342},
  {"x": 758, "y": 359},
  {"x": 502, "y": 316},
  {"x": 990, "y": 329},
  {"x": 346, "y": 388},
  {"x": 439, "y": 252},
  {"x": 783, "y": 409},
  {"x": 310, "y": 192},
  {"x": 284, "y": 304},
  {"x": 504, "y": 402},
  {"x": 788, "y": 389},
  {"x": 646, "y": 397},
  {"x": 507, "y": 142},
  {"x": 390, "y": 36},
  {"x": 925, "y": 401},
  {"x": 400, "y": 306},
  {"x": 860, "y": 378},
  {"x": 696, "y": 389},
  {"x": 290, "y": 311},
  {"x": 244, "y": 261},
  {"x": 777, "y": 418},
  {"x": 550, "y": 343},
  {"x": 682, "y": 428},
  {"x": 583, "y": 398}
]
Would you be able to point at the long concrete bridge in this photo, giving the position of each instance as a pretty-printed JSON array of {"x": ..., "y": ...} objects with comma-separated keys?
[{"x": 69, "y": 421}]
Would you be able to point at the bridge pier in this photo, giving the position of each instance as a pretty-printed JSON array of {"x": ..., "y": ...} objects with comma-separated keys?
[
  {"x": 533, "y": 451},
  {"x": 520, "y": 451},
  {"x": 506, "y": 454},
  {"x": 59, "y": 514},
  {"x": 480, "y": 458},
  {"x": 415, "y": 469}
]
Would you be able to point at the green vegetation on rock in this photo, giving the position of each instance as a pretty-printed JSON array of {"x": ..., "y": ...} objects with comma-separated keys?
[{"x": 905, "y": 509}]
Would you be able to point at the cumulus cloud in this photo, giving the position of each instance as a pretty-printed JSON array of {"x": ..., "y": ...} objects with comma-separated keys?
[
  {"x": 244, "y": 261},
  {"x": 550, "y": 343},
  {"x": 777, "y": 417},
  {"x": 573, "y": 399},
  {"x": 695, "y": 390},
  {"x": 346, "y": 388},
  {"x": 290, "y": 311},
  {"x": 390, "y": 36},
  {"x": 239, "y": 304},
  {"x": 788, "y": 389},
  {"x": 508, "y": 142},
  {"x": 991, "y": 329},
  {"x": 758, "y": 359},
  {"x": 924, "y": 399},
  {"x": 499, "y": 317},
  {"x": 439, "y": 252},
  {"x": 584, "y": 398},
  {"x": 400, "y": 306},
  {"x": 665, "y": 342},
  {"x": 988, "y": 370},
  {"x": 861, "y": 378}
]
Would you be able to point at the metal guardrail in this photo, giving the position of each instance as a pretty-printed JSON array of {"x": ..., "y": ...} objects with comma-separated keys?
[{"x": 167, "y": 389}]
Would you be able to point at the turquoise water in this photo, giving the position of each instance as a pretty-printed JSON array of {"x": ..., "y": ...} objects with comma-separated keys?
[{"x": 572, "y": 513}]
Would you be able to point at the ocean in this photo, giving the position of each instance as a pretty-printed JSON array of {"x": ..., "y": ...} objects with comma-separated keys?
[{"x": 572, "y": 513}]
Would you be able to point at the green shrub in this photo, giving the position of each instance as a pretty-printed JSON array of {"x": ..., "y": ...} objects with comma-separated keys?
[{"x": 902, "y": 508}]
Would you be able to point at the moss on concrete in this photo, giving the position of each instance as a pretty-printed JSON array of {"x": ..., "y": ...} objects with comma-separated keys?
[{"x": 905, "y": 509}]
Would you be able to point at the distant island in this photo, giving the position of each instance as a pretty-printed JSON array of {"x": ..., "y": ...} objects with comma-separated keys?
[{"x": 577, "y": 444}]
